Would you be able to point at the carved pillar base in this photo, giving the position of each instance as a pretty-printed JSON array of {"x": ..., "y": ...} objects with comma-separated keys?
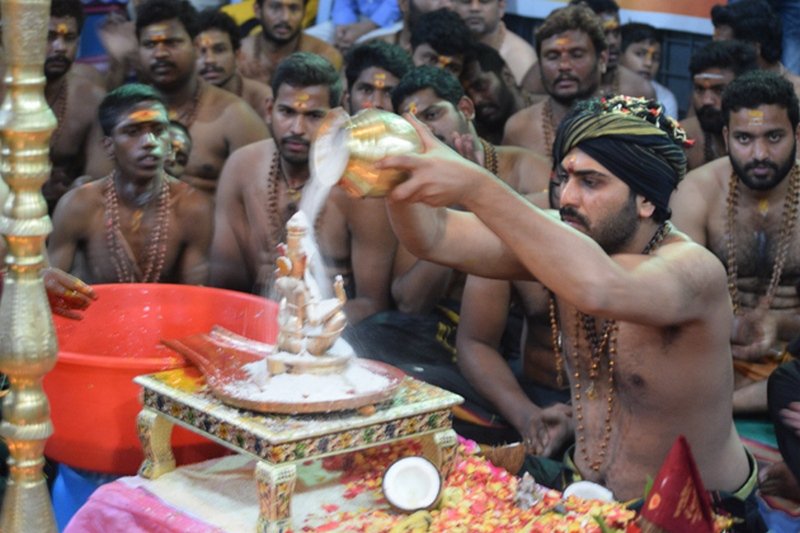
[
  {"x": 275, "y": 489},
  {"x": 155, "y": 433}
]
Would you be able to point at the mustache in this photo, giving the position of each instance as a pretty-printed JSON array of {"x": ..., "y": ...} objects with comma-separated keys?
[
  {"x": 281, "y": 26},
  {"x": 761, "y": 163},
  {"x": 566, "y": 77},
  {"x": 571, "y": 214},
  {"x": 295, "y": 139},
  {"x": 161, "y": 63},
  {"x": 206, "y": 70}
]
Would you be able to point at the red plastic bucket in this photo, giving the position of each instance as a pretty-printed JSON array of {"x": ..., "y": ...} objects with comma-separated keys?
[{"x": 93, "y": 400}]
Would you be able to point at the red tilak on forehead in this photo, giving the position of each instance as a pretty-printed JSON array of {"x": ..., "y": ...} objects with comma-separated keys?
[
  {"x": 569, "y": 166},
  {"x": 379, "y": 80}
]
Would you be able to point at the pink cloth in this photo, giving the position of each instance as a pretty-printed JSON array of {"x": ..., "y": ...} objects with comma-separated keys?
[{"x": 119, "y": 507}]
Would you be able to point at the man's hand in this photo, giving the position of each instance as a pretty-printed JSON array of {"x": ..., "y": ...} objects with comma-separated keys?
[
  {"x": 547, "y": 430},
  {"x": 467, "y": 148},
  {"x": 755, "y": 335},
  {"x": 791, "y": 416},
  {"x": 67, "y": 294},
  {"x": 347, "y": 34},
  {"x": 118, "y": 36},
  {"x": 439, "y": 177}
]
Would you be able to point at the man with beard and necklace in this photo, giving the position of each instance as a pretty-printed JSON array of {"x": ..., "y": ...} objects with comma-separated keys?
[
  {"x": 490, "y": 85},
  {"x": 484, "y": 20},
  {"x": 744, "y": 209},
  {"x": 419, "y": 337},
  {"x": 412, "y": 10},
  {"x": 138, "y": 224},
  {"x": 713, "y": 67},
  {"x": 572, "y": 54},
  {"x": 281, "y": 35},
  {"x": 641, "y": 313},
  {"x": 262, "y": 185},
  {"x": 73, "y": 98},
  {"x": 218, "y": 121},
  {"x": 218, "y": 45}
]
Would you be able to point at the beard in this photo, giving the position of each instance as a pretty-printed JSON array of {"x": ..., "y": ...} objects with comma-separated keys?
[
  {"x": 582, "y": 93},
  {"x": 504, "y": 105},
  {"x": 56, "y": 66},
  {"x": 612, "y": 233},
  {"x": 710, "y": 119},
  {"x": 779, "y": 171},
  {"x": 270, "y": 36}
]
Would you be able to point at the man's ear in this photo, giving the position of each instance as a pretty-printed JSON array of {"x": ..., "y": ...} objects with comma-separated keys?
[
  {"x": 644, "y": 206},
  {"x": 501, "y": 8},
  {"x": 108, "y": 147},
  {"x": 466, "y": 107},
  {"x": 507, "y": 77},
  {"x": 725, "y": 137},
  {"x": 602, "y": 61},
  {"x": 269, "y": 104}
]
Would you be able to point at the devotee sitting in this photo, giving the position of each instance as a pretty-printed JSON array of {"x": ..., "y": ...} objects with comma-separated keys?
[
  {"x": 218, "y": 45},
  {"x": 641, "y": 53},
  {"x": 419, "y": 336},
  {"x": 754, "y": 22},
  {"x": 72, "y": 97},
  {"x": 783, "y": 478},
  {"x": 484, "y": 19},
  {"x": 137, "y": 224},
  {"x": 712, "y": 68},
  {"x": 411, "y": 11},
  {"x": 219, "y": 122},
  {"x": 572, "y": 54},
  {"x": 490, "y": 85},
  {"x": 441, "y": 39},
  {"x": 744, "y": 209},
  {"x": 281, "y": 35},
  {"x": 352, "y": 23},
  {"x": 642, "y": 315},
  {"x": 261, "y": 187},
  {"x": 372, "y": 71},
  {"x": 616, "y": 79}
]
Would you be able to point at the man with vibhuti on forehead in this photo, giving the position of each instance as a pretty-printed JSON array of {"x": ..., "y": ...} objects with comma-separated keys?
[
  {"x": 744, "y": 209},
  {"x": 218, "y": 121},
  {"x": 712, "y": 68},
  {"x": 218, "y": 46},
  {"x": 572, "y": 56},
  {"x": 261, "y": 187},
  {"x": 72, "y": 97},
  {"x": 138, "y": 224},
  {"x": 641, "y": 314}
]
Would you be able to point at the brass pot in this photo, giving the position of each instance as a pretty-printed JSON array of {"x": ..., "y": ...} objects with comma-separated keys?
[{"x": 346, "y": 148}]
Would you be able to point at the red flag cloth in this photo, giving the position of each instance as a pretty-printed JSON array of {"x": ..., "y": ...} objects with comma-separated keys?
[{"x": 678, "y": 501}]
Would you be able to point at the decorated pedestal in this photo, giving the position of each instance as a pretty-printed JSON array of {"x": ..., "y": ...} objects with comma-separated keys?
[{"x": 278, "y": 441}]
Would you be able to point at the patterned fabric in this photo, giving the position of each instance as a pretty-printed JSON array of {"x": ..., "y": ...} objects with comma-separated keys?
[{"x": 631, "y": 137}]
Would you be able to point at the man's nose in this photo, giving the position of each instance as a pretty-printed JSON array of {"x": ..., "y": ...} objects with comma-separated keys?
[
  {"x": 709, "y": 98},
  {"x": 569, "y": 193},
  {"x": 298, "y": 126},
  {"x": 381, "y": 100},
  {"x": 760, "y": 149}
]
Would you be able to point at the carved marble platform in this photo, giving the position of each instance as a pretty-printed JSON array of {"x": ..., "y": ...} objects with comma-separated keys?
[{"x": 181, "y": 397}]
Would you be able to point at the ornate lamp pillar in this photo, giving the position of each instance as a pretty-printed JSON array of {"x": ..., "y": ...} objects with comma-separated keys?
[{"x": 27, "y": 337}]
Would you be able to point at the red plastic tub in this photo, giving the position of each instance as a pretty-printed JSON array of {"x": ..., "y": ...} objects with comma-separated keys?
[{"x": 93, "y": 400}]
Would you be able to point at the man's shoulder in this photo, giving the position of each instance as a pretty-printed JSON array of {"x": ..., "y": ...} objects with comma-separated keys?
[
  {"x": 252, "y": 155},
  {"x": 88, "y": 196},
  {"x": 524, "y": 118},
  {"x": 711, "y": 174},
  {"x": 256, "y": 88},
  {"x": 188, "y": 199},
  {"x": 309, "y": 43},
  {"x": 517, "y": 44}
]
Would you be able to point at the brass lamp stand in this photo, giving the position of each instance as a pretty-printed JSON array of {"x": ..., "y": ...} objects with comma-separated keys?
[{"x": 27, "y": 336}]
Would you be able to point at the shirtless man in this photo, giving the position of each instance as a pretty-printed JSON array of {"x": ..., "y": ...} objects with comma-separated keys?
[
  {"x": 218, "y": 46},
  {"x": 138, "y": 224},
  {"x": 181, "y": 143},
  {"x": 616, "y": 79},
  {"x": 72, "y": 97},
  {"x": 218, "y": 121},
  {"x": 488, "y": 82},
  {"x": 372, "y": 71},
  {"x": 572, "y": 54},
  {"x": 748, "y": 228},
  {"x": 754, "y": 22},
  {"x": 652, "y": 305},
  {"x": 261, "y": 186},
  {"x": 412, "y": 10},
  {"x": 281, "y": 35},
  {"x": 420, "y": 336},
  {"x": 713, "y": 67},
  {"x": 484, "y": 19},
  {"x": 441, "y": 39}
]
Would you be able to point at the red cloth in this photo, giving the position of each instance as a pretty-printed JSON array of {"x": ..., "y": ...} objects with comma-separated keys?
[
  {"x": 118, "y": 507},
  {"x": 678, "y": 500}
]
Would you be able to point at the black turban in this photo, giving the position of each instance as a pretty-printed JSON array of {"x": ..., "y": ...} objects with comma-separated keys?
[{"x": 628, "y": 139}]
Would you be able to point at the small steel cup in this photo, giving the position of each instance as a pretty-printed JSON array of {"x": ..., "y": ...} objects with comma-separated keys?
[{"x": 346, "y": 148}]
